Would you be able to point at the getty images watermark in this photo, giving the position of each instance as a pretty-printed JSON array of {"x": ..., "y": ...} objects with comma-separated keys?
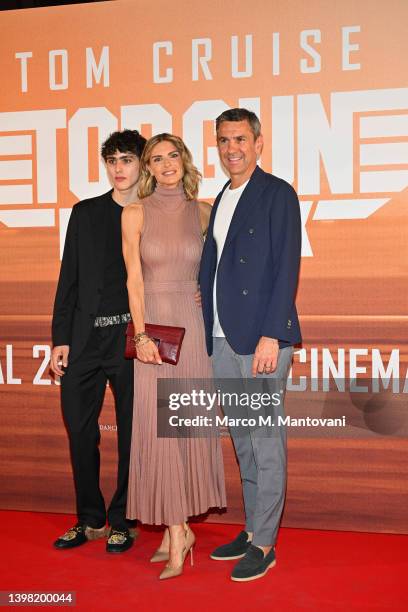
[
  {"x": 203, "y": 408},
  {"x": 257, "y": 402}
]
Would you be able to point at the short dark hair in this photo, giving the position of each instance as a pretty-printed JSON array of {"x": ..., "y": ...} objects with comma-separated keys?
[
  {"x": 127, "y": 140},
  {"x": 240, "y": 114}
]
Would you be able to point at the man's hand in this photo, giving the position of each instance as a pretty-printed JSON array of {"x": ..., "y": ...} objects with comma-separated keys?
[
  {"x": 59, "y": 357},
  {"x": 266, "y": 356},
  {"x": 197, "y": 297}
]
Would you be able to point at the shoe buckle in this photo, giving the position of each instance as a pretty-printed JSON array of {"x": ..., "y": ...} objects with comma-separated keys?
[
  {"x": 72, "y": 533},
  {"x": 117, "y": 537}
]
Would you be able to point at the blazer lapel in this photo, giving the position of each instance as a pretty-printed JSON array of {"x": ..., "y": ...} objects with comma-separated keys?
[
  {"x": 246, "y": 202},
  {"x": 210, "y": 231}
]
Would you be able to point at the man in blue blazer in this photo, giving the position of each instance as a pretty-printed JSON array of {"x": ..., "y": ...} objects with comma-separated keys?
[{"x": 248, "y": 280}]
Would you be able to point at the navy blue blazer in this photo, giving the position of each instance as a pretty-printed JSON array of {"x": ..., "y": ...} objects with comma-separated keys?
[{"x": 258, "y": 271}]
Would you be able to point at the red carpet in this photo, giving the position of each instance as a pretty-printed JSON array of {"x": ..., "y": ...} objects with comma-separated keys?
[{"x": 315, "y": 570}]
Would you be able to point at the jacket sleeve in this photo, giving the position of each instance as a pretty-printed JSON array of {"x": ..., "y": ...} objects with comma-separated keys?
[
  {"x": 286, "y": 231},
  {"x": 67, "y": 289}
]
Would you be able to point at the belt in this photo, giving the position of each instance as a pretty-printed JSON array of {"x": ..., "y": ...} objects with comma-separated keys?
[{"x": 112, "y": 320}]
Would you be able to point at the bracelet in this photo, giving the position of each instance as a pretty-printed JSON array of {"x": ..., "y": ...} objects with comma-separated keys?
[
  {"x": 138, "y": 337},
  {"x": 141, "y": 343}
]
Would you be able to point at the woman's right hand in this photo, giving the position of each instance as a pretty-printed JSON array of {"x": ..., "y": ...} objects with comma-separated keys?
[{"x": 148, "y": 353}]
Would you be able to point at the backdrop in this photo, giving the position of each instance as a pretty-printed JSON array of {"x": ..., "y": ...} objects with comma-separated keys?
[{"x": 328, "y": 81}]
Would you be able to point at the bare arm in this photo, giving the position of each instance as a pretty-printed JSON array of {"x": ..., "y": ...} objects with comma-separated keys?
[{"x": 132, "y": 223}]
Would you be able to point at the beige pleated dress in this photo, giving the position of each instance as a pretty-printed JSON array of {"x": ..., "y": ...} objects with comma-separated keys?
[{"x": 171, "y": 479}]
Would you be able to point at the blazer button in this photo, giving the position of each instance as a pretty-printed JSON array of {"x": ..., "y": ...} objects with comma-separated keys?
[
  {"x": 245, "y": 292},
  {"x": 251, "y": 230},
  {"x": 242, "y": 260}
]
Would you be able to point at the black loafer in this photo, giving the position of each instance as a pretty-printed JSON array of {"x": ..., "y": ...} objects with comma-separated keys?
[
  {"x": 72, "y": 538},
  {"x": 254, "y": 565},
  {"x": 234, "y": 550},
  {"x": 119, "y": 540}
]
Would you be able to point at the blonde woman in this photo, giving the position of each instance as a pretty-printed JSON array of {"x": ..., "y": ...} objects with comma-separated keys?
[{"x": 170, "y": 479}]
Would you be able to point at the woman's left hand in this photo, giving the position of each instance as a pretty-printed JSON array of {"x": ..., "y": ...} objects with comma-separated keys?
[{"x": 148, "y": 352}]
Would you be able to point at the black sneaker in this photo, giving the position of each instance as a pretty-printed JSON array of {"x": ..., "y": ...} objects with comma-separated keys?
[
  {"x": 72, "y": 538},
  {"x": 234, "y": 550},
  {"x": 254, "y": 564},
  {"x": 119, "y": 540}
]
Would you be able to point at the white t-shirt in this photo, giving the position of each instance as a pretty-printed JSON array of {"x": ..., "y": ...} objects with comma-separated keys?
[{"x": 222, "y": 221}]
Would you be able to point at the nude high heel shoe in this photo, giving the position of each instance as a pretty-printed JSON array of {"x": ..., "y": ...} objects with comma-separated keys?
[
  {"x": 189, "y": 541},
  {"x": 161, "y": 555}
]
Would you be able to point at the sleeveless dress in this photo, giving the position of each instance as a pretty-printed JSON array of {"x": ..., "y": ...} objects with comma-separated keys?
[{"x": 171, "y": 479}]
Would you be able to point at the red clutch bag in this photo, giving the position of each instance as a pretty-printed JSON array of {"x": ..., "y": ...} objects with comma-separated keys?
[{"x": 167, "y": 338}]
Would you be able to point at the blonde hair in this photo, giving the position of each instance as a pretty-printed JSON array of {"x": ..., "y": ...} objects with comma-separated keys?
[{"x": 191, "y": 176}]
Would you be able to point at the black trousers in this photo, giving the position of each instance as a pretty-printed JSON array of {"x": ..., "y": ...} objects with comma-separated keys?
[{"x": 82, "y": 392}]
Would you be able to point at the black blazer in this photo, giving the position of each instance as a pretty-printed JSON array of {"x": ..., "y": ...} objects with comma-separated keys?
[
  {"x": 258, "y": 271},
  {"x": 81, "y": 277}
]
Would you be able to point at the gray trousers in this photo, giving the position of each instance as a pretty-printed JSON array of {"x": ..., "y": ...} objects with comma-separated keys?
[{"x": 262, "y": 458}]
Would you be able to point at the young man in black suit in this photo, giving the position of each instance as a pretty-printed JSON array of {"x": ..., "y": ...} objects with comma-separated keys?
[{"x": 91, "y": 311}]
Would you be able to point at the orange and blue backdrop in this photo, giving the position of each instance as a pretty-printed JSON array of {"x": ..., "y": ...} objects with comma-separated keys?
[{"x": 329, "y": 82}]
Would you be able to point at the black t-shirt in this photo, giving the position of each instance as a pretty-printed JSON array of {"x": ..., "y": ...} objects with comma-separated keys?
[{"x": 114, "y": 297}]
